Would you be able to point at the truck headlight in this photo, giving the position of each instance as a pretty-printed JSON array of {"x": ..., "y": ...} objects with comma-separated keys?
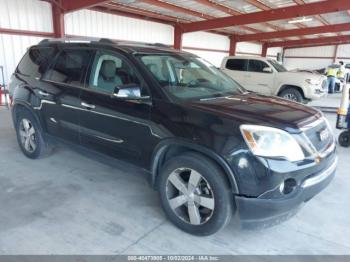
[
  {"x": 271, "y": 142},
  {"x": 312, "y": 82}
]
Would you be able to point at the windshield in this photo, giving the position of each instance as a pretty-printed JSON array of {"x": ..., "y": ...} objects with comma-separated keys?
[
  {"x": 189, "y": 77},
  {"x": 277, "y": 66}
]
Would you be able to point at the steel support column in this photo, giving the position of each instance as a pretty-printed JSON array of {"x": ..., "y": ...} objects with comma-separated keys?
[
  {"x": 178, "y": 37},
  {"x": 233, "y": 46},
  {"x": 58, "y": 21},
  {"x": 264, "y": 50}
]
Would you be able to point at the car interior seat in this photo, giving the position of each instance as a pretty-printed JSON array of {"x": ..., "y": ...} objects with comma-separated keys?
[{"x": 108, "y": 79}]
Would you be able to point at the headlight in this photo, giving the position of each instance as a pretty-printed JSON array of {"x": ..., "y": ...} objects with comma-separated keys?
[
  {"x": 330, "y": 129},
  {"x": 271, "y": 142},
  {"x": 312, "y": 82}
]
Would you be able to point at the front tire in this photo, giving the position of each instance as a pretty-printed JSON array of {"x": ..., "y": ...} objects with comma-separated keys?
[
  {"x": 29, "y": 135},
  {"x": 195, "y": 194},
  {"x": 292, "y": 94}
]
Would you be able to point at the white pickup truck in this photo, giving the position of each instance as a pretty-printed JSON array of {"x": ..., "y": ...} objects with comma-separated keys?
[{"x": 268, "y": 77}]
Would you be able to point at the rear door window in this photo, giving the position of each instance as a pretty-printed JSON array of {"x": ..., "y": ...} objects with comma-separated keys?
[
  {"x": 237, "y": 64},
  {"x": 36, "y": 61},
  {"x": 70, "y": 67}
]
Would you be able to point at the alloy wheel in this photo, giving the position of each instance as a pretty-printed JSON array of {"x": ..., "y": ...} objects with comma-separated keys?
[
  {"x": 291, "y": 97},
  {"x": 27, "y": 135},
  {"x": 190, "y": 196}
]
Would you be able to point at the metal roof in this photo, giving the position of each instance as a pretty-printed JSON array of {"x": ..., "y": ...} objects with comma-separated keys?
[{"x": 189, "y": 11}]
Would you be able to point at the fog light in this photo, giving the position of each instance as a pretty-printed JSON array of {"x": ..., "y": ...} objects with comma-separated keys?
[
  {"x": 289, "y": 186},
  {"x": 282, "y": 187}
]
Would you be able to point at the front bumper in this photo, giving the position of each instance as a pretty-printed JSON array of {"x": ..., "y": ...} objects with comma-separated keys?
[
  {"x": 275, "y": 207},
  {"x": 316, "y": 93}
]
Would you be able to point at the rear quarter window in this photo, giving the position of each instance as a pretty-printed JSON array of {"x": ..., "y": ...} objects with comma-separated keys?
[
  {"x": 236, "y": 64},
  {"x": 36, "y": 61},
  {"x": 70, "y": 67}
]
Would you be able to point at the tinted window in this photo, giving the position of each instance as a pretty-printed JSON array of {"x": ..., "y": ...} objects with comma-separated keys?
[
  {"x": 257, "y": 66},
  {"x": 35, "y": 61},
  {"x": 110, "y": 71},
  {"x": 237, "y": 64},
  {"x": 70, "y": 67}
]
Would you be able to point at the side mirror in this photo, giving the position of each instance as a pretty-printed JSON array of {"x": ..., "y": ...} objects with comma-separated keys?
[
  {"x": 267, "y": 69},
  {"x": 129, "y": 92}
]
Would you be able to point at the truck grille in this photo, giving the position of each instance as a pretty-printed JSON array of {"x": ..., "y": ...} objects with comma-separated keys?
[{"x": 317, "y": 135}]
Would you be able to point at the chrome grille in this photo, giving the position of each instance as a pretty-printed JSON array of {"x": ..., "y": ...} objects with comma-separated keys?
[{"x": 314, "y": 134}]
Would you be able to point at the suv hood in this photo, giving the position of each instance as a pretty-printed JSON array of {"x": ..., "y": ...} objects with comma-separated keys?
[{"x": 258, "y": 109}]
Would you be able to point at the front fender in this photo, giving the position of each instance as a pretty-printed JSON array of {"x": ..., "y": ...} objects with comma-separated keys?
[
  {"x": 24, "y": 97},
  {"x": 161, "y": 149}
]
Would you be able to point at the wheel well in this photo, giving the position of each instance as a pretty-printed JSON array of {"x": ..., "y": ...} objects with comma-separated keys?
[
  {"x": 284, "y": 87},
  {"x": 167, "y": 152},
  {"x": 15, "y": 111},
  {"x": 19, "y": 107}
]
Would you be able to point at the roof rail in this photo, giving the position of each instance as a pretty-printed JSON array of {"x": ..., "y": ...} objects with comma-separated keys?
[
  {"x": 75, "y": 40},
  {"x": 144, "y": 44},
  {"x": 99, "y": 40}
]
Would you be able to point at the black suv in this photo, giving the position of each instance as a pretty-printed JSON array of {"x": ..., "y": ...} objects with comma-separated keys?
[{"x": 211, "y": 148}]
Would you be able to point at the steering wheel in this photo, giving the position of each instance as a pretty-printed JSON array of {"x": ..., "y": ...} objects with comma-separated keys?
[{"x": 194, "y": 82}]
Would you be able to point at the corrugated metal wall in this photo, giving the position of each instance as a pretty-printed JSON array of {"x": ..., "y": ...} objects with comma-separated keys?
[
  {"x": 222, "y": 45},
  {"x": 255, "y": 49},
  {"x": 314, "y": 57},
  {"x": 247, "y": 48},
  {"x": 32, "y": 15},
  {"x": 12, "y": 48},
  {"x": 97, "y": 24},
  {"x": 344, "y": 53},
  {"x": 272, "y": 52},
  {"x": 213, "y": 57},
  {"x": 204, "y": 40}
]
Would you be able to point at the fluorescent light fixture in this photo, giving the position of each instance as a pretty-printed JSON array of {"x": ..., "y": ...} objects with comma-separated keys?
[{"x": 300, "y": 20}]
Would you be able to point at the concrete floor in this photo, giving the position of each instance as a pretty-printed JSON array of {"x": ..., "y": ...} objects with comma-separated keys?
[
  {"x": 69, "y": 203},
  {"x": 330, "y": 100}
]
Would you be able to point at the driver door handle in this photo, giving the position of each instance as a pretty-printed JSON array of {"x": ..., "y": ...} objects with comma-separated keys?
[
  {"x": 43, "y": 93},
  {"x": 88, "y": 106}
]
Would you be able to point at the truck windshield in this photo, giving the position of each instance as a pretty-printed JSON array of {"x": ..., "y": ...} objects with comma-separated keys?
[
  {"x": 277, "y": 66},
  {"x": 189, "y": 77}
]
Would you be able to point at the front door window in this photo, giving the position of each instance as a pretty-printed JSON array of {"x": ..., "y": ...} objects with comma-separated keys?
[{"x": 111, "y": 72}]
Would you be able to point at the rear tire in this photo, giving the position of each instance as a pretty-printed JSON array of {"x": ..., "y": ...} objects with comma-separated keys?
[
  {"x": 29, "y": 135},
  {"x": 292, "y": 94},
  {"x": 195, "y": 194},
  {"x": 344, "y": 139}
]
